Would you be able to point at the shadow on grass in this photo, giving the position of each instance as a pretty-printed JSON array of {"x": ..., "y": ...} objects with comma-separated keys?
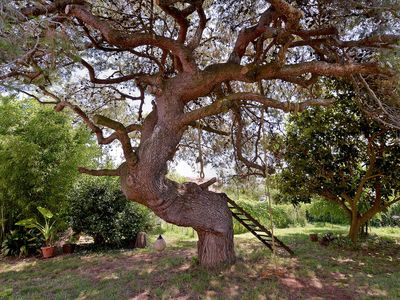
[
  {"x": 331, "y": 272},
  {"x": 184, "y": 244}
]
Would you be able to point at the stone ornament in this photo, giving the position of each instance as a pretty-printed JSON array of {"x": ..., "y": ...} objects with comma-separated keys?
[{"x": 160, "y": 244}]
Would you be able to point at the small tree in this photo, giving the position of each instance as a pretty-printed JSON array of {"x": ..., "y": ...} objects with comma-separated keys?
[{"x": 344, "y": 157}]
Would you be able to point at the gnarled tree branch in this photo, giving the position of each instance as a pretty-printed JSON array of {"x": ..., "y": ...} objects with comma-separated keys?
[
  {"x": 57, "y": 5},
  {"x": 216, "y": 74},
  {"x": 195, "y": 42},
  {"x": 131, "y": 40},
  {"x": 94, "y": 79},
  {"x": 122, "y": 135},
  {"x": 101, "y": 140},
  {"x": 224, "y": 104},
  {"x": 102, "y": 172},
  {"x": 248, "y": 35}
]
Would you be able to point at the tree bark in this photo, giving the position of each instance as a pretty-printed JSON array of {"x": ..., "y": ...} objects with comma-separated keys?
[
  {"x": 141, "y": 240},
  {"x": 207, "y": 212},
  {"x": 215, "y": 249},
  {"x": 354, "y": 228}
]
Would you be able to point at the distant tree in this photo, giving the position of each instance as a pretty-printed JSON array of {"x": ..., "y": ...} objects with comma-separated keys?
[
  {"x": 39, "y": 155},
  {"x": 213, "y": 67},
  {"x": 343, "y": 156}
]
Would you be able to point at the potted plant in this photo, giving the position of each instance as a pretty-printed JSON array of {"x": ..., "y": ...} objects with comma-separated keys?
[
  {"x": 69, "y": 246},
  {"x": 47, "y": 230}
]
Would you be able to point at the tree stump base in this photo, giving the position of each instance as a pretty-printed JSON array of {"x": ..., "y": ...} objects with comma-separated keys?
[{"x": 141, "y": 240}]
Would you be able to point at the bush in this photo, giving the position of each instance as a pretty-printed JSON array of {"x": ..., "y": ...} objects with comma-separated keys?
[
  {"x": 131, "y": 220},
  {"x": 98, "y": 208},
  {"x": 390, "y": 217},
  {"x": 21, "y": 242},
  {"x": 320, "y": 210}
]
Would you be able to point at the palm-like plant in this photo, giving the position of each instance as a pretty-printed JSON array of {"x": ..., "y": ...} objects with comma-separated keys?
[{"x": 47, "y": 229}]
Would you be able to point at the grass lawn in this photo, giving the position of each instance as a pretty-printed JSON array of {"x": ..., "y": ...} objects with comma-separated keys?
[{"x": 316, "y": 272}]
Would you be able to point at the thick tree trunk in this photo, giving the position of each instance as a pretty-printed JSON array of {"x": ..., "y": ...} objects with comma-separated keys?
[
  {"x": 209, "y": 215},
  {"x": 215, "y": 249},
  {"x": 188, "y": 205},
  {"x": 354, "y": 229}
]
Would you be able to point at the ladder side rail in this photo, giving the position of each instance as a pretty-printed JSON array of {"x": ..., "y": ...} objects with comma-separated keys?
[
  {"x": 254, "y": 233},
  {"x": 281, "y": 244}
]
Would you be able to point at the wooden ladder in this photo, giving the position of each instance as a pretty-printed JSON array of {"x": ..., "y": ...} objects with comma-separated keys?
[{"x": 255, "y": 227}]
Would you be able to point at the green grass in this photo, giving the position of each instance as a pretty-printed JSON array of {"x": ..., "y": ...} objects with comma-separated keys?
[{"x": 335, "y": 272}]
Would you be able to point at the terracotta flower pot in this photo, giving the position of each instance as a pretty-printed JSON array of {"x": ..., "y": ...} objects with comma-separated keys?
[
  {"x": 48, "y": 252},
  {"x": 68, "y": 248}
]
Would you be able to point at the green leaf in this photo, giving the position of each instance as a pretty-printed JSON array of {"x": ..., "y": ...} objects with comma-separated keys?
[
  {"x": 28, "y": 223},
  {"x": 45, "y": 212}
]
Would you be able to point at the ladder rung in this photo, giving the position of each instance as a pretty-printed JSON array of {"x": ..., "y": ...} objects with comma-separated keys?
[
  {"x": 265, "y": 240},
  {"x": 264, "y": 235},
  {"x": 237, "y": 214},
  {"x": 245, "y": 220},
  {"x": 252, "y": 226},
  {"x": 255, "y": 229}
]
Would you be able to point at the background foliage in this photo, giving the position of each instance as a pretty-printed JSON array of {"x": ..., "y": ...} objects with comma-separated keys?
[{"x": 39, "y": 154}]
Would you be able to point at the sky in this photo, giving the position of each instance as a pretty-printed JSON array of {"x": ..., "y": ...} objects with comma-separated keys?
[{"x": 184, "y": 169}]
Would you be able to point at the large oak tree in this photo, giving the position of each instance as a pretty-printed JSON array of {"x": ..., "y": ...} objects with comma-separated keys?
[{"x": 212, "y": 65}]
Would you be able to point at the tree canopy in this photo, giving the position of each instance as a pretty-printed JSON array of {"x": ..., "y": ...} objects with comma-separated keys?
[{"x": 213, "y": 65}]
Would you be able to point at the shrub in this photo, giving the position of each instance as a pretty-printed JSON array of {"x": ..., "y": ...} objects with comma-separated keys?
[
  {"x": 98, "y": 208},
  {"x": 390, "y": 217},
  {"x": 46, "y": 229},
  {"x": 320, "y": 210},
  {"x": 21, "y": 242},
  {"x": 131, "y": 220}
]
